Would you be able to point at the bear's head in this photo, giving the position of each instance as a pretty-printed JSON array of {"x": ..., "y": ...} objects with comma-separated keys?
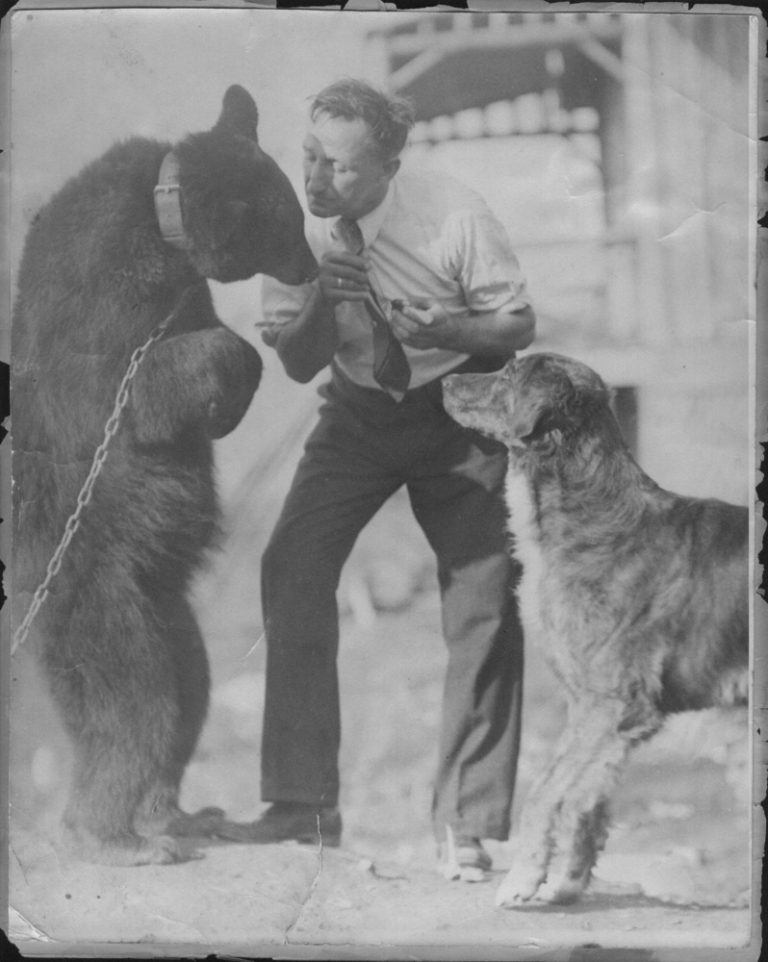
[{"x": 240, "y": 214}]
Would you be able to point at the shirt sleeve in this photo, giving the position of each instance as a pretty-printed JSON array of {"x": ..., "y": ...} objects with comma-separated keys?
[
  {"x": 484, "y": 263},
  {"x": 281, "y": 303}
]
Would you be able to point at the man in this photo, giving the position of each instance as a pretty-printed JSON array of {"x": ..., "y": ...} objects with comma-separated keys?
[{"x": 432, "y": 247}]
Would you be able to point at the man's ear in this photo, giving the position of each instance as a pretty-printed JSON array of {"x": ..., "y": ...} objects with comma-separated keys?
[{"x": 391, "y": 167}]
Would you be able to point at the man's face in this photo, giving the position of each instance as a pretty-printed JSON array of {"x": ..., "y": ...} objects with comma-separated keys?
[{"x": 343, "y": 173}]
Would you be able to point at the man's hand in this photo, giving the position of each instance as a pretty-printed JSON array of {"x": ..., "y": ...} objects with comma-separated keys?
[
  {"x": 343, "y": 277},
  {"x": 422, "y": 325}
]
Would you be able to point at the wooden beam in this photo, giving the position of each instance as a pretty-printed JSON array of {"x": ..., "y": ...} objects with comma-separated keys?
[
  {"x": 414, "y": 68},
  {"x": 603, "y": 57},
  {"x": 500, "y": 34}
]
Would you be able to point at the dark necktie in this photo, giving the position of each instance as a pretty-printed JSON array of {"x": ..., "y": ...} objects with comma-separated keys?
[{"x": 390, "y": 365}]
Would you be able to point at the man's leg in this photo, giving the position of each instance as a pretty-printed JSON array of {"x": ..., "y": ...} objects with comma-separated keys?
[
  {"x": 339, "y": 485},
  {"x": 457, "y": 498}
]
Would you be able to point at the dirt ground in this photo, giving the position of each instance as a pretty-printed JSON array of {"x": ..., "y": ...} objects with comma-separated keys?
[{"x": 673, "y": 882}]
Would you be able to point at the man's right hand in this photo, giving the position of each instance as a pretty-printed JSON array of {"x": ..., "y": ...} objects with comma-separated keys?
[{"x": 343, "y": 277}]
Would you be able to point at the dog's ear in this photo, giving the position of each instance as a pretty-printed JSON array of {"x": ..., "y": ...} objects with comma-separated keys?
[
  {"x": 535, "y": 429},
  {"x": 585, "y": 393}
]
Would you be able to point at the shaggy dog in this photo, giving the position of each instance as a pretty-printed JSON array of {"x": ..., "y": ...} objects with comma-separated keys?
[
  {"x": 122, "y": 246},
  {"x": 637, "y": 597}
]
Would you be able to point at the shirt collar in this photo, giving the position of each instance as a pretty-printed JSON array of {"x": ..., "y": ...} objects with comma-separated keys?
[{"x": 370, "y": 224}]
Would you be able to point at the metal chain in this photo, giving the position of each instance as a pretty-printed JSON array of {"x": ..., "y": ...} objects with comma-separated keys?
[{"x": 84, "y": 497}]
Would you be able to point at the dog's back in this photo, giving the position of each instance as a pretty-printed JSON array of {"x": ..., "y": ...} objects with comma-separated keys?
[
  {"x": 659, "y": 579},
  {"x": 702, "y": 604},
  {"x": 613, "y": 561}
]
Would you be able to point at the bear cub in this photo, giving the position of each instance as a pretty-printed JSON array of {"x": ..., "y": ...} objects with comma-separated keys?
[{"x": 118, "y": 640}]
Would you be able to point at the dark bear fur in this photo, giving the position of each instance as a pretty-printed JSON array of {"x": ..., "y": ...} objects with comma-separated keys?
[{"x": 120, "y": 644}]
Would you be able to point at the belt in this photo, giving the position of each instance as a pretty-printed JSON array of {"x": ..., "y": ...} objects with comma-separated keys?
[{"x": 430, "y": 391}]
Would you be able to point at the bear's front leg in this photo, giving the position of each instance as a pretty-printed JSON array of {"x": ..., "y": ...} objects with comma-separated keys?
[{"x": 201, "y": 381}]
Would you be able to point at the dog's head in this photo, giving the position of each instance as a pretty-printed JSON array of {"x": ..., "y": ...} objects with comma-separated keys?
[{"x": 532, "y": 403}]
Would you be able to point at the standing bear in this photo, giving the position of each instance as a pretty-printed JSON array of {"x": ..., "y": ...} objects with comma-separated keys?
[{"x": 124, "y": 245}]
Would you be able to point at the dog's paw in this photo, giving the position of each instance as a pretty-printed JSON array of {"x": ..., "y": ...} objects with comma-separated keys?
[
  {"x": 519, "y": 886},
  {"x": 564, "y": 884},
  {"x": 563, "y": 892}
]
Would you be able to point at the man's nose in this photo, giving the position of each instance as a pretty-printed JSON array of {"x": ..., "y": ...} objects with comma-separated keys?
[{"x": 316, "y": 178}]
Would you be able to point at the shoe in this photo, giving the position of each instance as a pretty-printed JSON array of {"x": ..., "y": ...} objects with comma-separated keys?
[
  {"x": 290, "y": 822},
  {"x": 463, "y": 857}
]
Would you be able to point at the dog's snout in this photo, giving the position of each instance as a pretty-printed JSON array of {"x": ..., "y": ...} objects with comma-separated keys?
[
  {"x": 475, "y": 401},
  {"x": 468, "y": 387},
  {"x": 454, "y": 383},
  {"x": 449, "y": 383}
]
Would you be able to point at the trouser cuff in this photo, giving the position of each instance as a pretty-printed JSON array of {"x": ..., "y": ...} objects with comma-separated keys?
[
  {"x": 473, "y": 828},
  {"x": 323, "y": 799}
]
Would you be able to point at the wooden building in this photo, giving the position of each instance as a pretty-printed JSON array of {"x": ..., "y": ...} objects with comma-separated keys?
[{"x": 656, "y": 288}]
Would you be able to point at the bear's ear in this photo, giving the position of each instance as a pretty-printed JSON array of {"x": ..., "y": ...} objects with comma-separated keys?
[{"x": 239, "y": 114}]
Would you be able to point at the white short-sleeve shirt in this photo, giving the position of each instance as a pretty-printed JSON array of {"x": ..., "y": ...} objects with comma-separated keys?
[{"x": 431, "y": 238}]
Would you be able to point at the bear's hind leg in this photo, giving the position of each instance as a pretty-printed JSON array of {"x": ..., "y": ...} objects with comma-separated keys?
[
  {"x": 98, "y": 820},
  {"x": 115, "y": 687},
  {"x": 161, "y": 810}
]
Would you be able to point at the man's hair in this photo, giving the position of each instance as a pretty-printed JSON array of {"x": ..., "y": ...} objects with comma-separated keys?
[{"x": 388, "y": 118}]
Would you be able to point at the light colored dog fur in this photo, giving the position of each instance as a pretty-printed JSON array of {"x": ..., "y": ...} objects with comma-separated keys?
[{"x": 637, "y": 597}]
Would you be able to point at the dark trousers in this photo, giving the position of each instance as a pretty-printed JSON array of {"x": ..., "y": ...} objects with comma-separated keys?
[{"x": 364, "y": 447}]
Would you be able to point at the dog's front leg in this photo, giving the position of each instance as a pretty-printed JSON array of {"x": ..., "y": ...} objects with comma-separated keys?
[
  {"x": 538, "y": 821},
  {"x": 577, "y": 791},
  {"x": 584, "y": 814},
  {"x": 610, "y": 730}
]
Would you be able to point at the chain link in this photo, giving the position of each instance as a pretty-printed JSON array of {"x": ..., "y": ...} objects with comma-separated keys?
[{"x": 84, "y": 496}]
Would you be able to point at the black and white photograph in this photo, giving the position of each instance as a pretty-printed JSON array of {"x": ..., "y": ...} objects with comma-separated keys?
[{"x": 381, "y": 517}]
